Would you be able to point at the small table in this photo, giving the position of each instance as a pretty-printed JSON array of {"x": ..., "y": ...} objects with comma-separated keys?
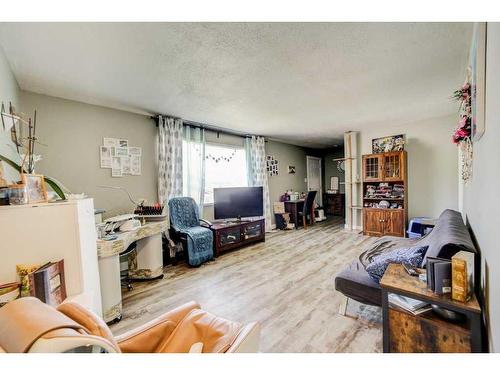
[
  {"x": 148, "y": 263},
  {"x": 294, "y": 207},
  {"x": 408, "y": 333}
]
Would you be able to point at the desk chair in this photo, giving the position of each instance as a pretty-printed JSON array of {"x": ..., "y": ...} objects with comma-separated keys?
[
  {"x": 185, "y": 227},
  {"x": 308, "y": 210},
  {"x": 27, "y": 325}
]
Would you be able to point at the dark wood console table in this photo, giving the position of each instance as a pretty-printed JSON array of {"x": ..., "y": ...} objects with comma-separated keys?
[
  {"x": 232, "y": 235},
  {"x": 334, "y": 204}
]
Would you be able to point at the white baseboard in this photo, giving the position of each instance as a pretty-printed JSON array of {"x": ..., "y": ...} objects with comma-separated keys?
[{"x": 357, "y": 228}]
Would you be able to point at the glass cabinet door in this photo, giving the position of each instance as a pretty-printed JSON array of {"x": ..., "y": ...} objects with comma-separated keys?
[
  {"x": 372, "y": 165},
  {"x": 252, "y": 230},
  {"x": 230, "y": 236},
  {"x": 393, "y": 166}
]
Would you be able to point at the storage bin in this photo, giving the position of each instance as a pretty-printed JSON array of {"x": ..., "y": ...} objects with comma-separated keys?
[{"x": 420, "y": 226}]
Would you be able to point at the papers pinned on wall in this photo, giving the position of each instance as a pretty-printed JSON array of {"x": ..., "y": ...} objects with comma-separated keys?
[{"x": 122, "y": 159}]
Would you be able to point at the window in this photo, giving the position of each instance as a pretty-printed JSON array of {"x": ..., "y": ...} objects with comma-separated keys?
[{"x": 225, "y": 166}]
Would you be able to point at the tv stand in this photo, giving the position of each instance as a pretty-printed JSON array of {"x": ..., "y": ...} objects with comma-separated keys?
[{"x": 236, "y": 234}]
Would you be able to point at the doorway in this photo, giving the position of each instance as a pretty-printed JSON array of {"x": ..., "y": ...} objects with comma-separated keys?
[{"x": 314, "y": 181}]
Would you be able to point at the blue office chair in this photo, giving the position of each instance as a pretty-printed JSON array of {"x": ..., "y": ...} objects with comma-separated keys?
[{"x": 185, "y": 225}]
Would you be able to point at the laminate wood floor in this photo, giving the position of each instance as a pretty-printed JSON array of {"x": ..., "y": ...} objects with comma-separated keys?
[{"x": 285, "y": 283}]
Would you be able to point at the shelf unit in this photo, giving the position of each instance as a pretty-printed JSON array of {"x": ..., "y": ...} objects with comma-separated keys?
[
  {"x": 353, "y": 181},
  {"x": 390, "y": 169}
]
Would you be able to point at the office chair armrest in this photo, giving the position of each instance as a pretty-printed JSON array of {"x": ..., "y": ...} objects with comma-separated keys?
[{"x": 146, "y": 338}]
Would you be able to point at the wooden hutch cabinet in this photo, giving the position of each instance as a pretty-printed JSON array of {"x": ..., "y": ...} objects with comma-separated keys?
[{"x": 385, "y": 194}]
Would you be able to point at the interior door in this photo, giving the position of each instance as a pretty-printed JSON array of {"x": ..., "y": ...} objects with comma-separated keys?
[{"x": 314, "y": 177}]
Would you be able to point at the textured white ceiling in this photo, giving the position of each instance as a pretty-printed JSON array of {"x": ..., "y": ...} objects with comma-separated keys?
[{"x": 305, "y": 83}]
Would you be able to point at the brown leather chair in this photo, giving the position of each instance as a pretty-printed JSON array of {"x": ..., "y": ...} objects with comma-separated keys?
[{"x": 28, "y": 326}]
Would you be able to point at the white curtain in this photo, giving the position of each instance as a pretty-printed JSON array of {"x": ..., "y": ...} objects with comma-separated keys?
[
  {"x": 194, "y": 165},
  {"x": 257, "y": 172},
  {"x": 169, "y": 159}
]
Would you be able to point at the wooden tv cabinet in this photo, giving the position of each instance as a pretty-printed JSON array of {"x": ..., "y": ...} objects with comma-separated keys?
[{"x": 236, "y": 234}]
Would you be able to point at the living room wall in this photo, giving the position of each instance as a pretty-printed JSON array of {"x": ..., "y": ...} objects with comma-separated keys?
[
  {"x": 9, "y": 92},
  {"x": 330, "y": 167},
  {"x": 432, "y": 162},
  {"x": 286, "y": 155},
  {"x": 481, "y": 197},
  {"x": 73, "y": 132}
]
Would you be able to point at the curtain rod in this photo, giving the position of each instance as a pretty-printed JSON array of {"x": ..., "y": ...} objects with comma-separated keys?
[{"x": 211, "y": 128}]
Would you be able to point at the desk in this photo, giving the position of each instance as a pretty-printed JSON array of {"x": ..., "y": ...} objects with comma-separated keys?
[
  {"x": 147, "y": 264},
  {"x": 294, "y": 208}
]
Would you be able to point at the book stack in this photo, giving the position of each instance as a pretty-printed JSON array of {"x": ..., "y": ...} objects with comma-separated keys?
[
  {"x": 413, "y": 306},
  {"x": 47, "y": 283},
  {"x": 439, "y": 275},
  {"x": 462, "y": 271}
]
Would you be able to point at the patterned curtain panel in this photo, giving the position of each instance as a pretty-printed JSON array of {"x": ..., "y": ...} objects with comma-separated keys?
[
  {"x": 257, "y": 172},
  {"x": 194, "y": 165},
  {"x": 169, "y": 159}
]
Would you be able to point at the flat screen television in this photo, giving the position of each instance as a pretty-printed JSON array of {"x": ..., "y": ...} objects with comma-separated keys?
[{"x": 238, "y": 202}]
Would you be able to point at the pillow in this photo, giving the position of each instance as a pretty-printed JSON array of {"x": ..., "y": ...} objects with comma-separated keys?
[{"x": 411, "y": 255}]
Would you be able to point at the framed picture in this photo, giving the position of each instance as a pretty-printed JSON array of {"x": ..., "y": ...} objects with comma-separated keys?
[
  {"x": 272, "y": 165},
  {"x": 334, "y": 183},
  {"x": 35, "y": 186},
  {"x": 478, "y": 78},
  {"x": 388, "y": 144},
  {"x": 291, "y": 169}
]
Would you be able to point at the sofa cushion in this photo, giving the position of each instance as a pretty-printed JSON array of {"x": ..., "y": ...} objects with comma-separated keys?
[
  {"x": 410, "y": 255},
  {"x": 353, "y": 281},
  {"x": 449, "y": 236}
]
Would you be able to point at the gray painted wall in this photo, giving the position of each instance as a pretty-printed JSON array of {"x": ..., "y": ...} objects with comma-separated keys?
[
  {"x": 286, "y": 155},
  {"x": 74, "y": 131},
  {"x": 9, "y": 92},
  {"x": 481, "y": 197}
]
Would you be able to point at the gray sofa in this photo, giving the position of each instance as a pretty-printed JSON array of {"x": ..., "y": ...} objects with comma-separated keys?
[{"x": 449, "y": 236}]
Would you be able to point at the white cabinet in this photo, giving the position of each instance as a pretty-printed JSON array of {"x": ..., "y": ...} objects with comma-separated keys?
[{"x": 40, "y": 233}]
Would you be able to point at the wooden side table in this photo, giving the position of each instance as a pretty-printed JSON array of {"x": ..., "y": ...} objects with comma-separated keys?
[{"x": 404, "y": 332}]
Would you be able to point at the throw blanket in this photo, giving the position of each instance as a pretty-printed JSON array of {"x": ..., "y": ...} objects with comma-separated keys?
[
  {"x": 384, "y": 245},
  {"x": 199, "y": 244},
  {"x": 184, "y": 218}
]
